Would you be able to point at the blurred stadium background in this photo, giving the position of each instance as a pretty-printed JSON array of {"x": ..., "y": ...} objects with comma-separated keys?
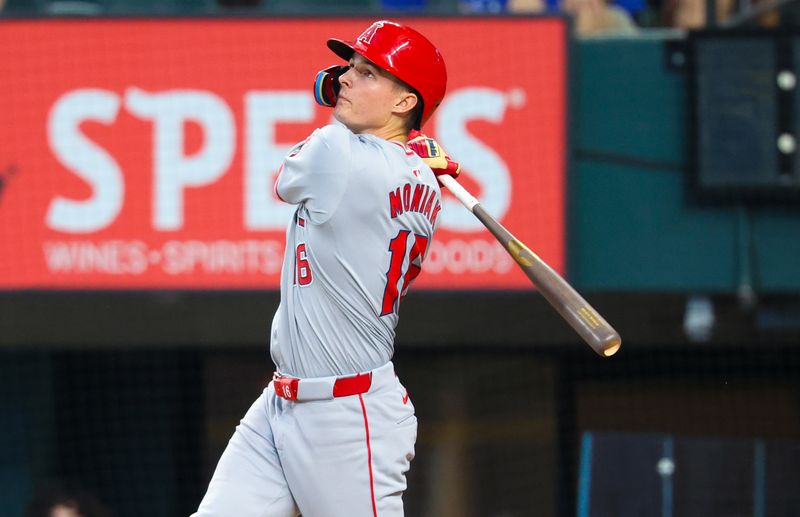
[{"x": 648, "y": 153}]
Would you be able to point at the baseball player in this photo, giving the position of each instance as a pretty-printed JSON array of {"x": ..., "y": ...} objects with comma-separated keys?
[{"x": 333, "y": 434}]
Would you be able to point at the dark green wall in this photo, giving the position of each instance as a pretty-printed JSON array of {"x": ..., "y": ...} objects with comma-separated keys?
[{"x": 632, "y": 226}]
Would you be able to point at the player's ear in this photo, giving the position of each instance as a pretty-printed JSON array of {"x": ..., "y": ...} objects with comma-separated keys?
[{"x": 405, "y": 102}]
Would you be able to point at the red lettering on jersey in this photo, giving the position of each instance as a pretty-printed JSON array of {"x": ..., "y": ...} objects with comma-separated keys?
[
  {"x": 435, "y": 213},
  {"x": 428, "y": 195},
  {"x": 395, "y": 203},
  {"x": 414, "y": 263},
  {"x": 423, "y": 200},
  {"x": 303, "y": 274},
  {"x": 398, "y": 248},
  {"x": 406, "y": 196},
  {"x": 428, "y": 205},
  {"x": 418, "y": 190}
]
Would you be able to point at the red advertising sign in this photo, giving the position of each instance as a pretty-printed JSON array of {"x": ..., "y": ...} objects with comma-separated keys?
[{"x": 139, "y": 154}]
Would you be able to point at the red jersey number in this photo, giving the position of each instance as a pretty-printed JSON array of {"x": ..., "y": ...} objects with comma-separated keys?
[
  {"x": 302, "y": 273},
  {"x": 398, "y": 247}
]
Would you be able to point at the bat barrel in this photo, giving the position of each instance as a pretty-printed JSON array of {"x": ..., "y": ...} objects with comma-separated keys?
[
  {"x": 597, "y": 333},
  {"x": 580, "y": 315},
  {"x": 577, "y": 312}
]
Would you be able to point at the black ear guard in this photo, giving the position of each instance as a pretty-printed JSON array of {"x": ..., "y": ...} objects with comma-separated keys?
[{"x": 326, "y": 85}]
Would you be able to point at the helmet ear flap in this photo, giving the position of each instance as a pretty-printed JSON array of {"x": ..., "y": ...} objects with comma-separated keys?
[{"x": 326, "y": 85}]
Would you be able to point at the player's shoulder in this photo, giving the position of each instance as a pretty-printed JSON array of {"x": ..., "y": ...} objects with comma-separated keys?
[
  {"x": 335, "y": 130},
  {"x": 336, "y": 134},
  {"x": 327, "y": 142}
]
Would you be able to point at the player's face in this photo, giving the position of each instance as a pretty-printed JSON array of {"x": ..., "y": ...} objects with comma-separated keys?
[{"x": 368, "y": 98}]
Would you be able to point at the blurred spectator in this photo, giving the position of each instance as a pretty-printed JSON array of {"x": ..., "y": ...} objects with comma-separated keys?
[
  {"x": 599, "y": 18},
  {"x": 526, "y": 6},
  {"x": 592, "y": 17},
  {"x": 691, "y": 14},
  {"x": 56, "y": 500}
]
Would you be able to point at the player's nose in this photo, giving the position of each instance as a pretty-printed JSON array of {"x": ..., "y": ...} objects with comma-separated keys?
[{"x": 344, "y": 79}]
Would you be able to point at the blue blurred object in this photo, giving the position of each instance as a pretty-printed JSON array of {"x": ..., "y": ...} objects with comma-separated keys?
[
  {"x": 632, "y": 6},
  {"x": 482, "y": 6},
  {"x": 403, "y": 5}
]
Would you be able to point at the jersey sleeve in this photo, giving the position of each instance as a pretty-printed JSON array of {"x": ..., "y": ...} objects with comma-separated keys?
[{"x": 316, "y": 172}]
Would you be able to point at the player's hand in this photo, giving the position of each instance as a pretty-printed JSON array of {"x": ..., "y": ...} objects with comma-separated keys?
[
  {"x": 326, "y": 85},
  {"x": 432, "y": 154}
]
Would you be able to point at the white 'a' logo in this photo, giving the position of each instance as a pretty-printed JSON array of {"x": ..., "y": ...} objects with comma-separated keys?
[{"x": 367, "y": 35}]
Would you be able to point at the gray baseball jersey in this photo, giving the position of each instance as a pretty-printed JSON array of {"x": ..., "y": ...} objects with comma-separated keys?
[{"x": 367, "y": 210}]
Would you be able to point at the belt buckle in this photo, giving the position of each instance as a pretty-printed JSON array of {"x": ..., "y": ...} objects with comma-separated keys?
[{"x": 285, "y": 387}]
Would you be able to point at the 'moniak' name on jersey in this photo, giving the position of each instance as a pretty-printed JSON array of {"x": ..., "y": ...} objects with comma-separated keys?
[
  {"x": 415, "y": 198},
  {"x": 367, "y": 209}
]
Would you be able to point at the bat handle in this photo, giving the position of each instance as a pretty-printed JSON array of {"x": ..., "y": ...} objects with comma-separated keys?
[{"x": 455, "y": 188}]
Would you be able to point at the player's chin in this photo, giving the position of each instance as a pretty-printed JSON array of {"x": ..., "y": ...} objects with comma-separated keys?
[
  {"x": 343, "y": 116},
  {"x": 339, "y": 110}
]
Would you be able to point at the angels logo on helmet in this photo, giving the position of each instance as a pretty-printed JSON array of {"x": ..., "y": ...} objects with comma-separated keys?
[{"x": 367, "y": 35}]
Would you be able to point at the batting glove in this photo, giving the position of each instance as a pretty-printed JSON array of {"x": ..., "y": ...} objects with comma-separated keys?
[
  {"x": 326, "y": 85},
  {"x": 432, "y": 154}
]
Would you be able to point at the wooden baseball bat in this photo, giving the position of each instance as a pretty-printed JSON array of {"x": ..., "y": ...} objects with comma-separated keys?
[{"x": 563, "y": 297}]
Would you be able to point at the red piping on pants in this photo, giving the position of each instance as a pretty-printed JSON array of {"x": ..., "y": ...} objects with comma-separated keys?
[{"x": 369, "y": 457}]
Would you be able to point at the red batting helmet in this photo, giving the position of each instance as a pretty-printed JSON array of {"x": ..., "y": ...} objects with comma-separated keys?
[{"x": 406, "y": 54}]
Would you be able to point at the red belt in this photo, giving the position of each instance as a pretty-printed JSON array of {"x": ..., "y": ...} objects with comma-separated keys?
[{"x": 287, "y": 387}]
